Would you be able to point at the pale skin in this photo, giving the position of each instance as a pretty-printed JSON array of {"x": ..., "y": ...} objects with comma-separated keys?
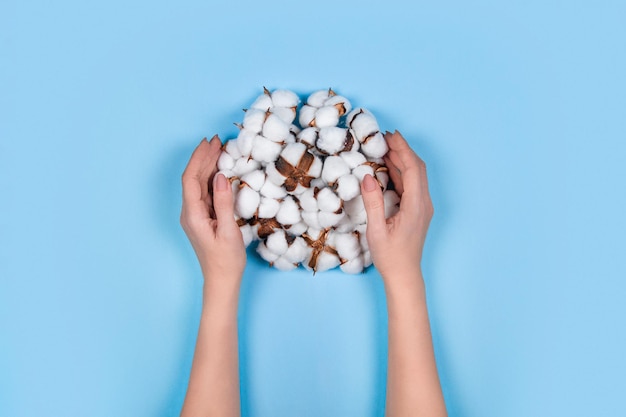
[{"x": 396, "y": 245}]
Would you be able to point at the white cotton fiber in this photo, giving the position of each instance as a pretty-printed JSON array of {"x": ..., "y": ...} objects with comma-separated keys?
[
  {"x": 266, "y": 253},
  {"x": 287, "y": 115},
  {"x": 263, "y": 102},
  {"x": 265, "y": 150},
  {"x": 296, "y": 176},
  {"x": 284, "y": 98},
  {"x": 348, "y": 187},
  {"x": 331, "y": 139},
  {"x": 277, "y": 242},
  {"x": 334, "y": 167},
  {"x": 328, "y": 201},
  {"x": 289, "y": 212},
  {"x": 247, "y": 202},
  {"x": 253, "y": 120},
  {"x": 327, "y": 116},
  {"x": 275, "y": 129},
  {"x": 225, "y": 162},
  {"x": 308, "y": 136},
  {"x": 307, "y": 116},
  {"x": 375, "y": 146},
  {"x": 245, "y": 165},
  {"x": 268, "y": 208},
  {"x": 245, "y": 140},
  {"x": 254, "y": 179}
]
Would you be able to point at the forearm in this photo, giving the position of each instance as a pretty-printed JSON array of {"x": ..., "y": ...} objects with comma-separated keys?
[
  {"x": 413, "y": 387},
  {"x": 214, "y": 381}
]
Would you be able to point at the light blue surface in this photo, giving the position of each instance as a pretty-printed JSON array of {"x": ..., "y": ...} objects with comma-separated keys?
[{"x": 518, "y": 109}]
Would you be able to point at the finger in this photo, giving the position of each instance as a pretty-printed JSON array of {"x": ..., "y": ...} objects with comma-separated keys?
[
  {"x": 394, "y": 173},
  {"x": 195, "y": 176},
  {"x": 412, "y": 171},
  {"x": 223, "y": 203},
  {"x": 374, "y": 205}
]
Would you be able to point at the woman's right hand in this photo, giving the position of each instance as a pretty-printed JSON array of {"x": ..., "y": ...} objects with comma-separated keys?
[{"x": 396, "y": 243}]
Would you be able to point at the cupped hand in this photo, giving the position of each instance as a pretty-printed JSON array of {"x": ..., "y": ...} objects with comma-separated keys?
[
  {"x": 208, "y": 219},
  {"x": 396, "y": 243}
]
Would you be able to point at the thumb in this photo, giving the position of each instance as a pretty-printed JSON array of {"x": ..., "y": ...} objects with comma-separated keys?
[
  {"x": 374, "y": 205},
  {"x": 223, "y": 201}
]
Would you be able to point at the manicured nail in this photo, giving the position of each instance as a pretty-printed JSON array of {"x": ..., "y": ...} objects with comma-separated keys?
[
  {"x": 368, "y": 183},
  {"x": 221, "y": 183}
]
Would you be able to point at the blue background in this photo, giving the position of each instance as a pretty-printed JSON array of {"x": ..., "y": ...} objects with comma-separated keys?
[{"x": 518, "y": 109}]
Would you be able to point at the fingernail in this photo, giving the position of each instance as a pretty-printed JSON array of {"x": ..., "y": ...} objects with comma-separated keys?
[
  {"x": 221, "y": 184},
  {"x": 214, "y": 138},
  {"x": 387, "y": 132},
  {"x": 368, "y": 183}
]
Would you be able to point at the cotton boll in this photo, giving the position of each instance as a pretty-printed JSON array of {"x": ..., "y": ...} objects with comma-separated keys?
[
  {"x": 293, "y": 152},
  {"x": 284, "y": 98},
  {"x": 344, "y": 225},
  {"x": 277, "y": 242},
  {"x": 273, "y": 175},
  {"x": 391, "y": 201},
  {"x": 318, "y": 98},
  {"x": 353, "y": 158},
  {"x": 297, "y": 251},
  {"x": 266, "y": 253},
  {"x": 271, "y": 190},
  {"x": 361, "y": 171},
  {"x": 326, "y": 261},
  {"x": 362, "y": 124},
  {"x": 331, "y": 140},
  {"x": 340, "y": 103},
  {"x": 328, "y": 201},
  {"x": 247, "y": 203},
  {"x": 254, "y": 119},
  {"x": 329, "y": 219},
  {"x": 231, "y": 148},
  {"x": 334, "y": 167},
  {"x": 245, "y": 141},
  {"x": 326, "y": 116},
  {"x": 355, "y": 209},
  {"x": 353, "y": 266},
  {"x": 268, "y": 208},
  {"x": 265, "y": 150},
  {"x": 289, "y": 212},
  {"x": 375, "y": 146},
  {"x": 247, "y": 233},
  {"x": 311, "y": 219},
  {"x": 307, "y": 200},
  {"x": 348, "y": 187},
  {"x": 254, "y": 179},
  {"x": 361, "y": 230},
  {"x": 275, "y": 129},
  {"x": 225, "y": 162},
  {"x": 308, "y": 136},
  {"x": 318, "y": 183},
  {"x": 283, "y": 264},
  {"x": 297, "y": 229},
  {"x": 285, "y": 114},
  {"x": 245, "y": 165},
  {"x": 316, "y": 168},
  {"x": 307, "y": 116},
  {"x": 347, "y": 245},
  {"x": 263, "y": 102}
]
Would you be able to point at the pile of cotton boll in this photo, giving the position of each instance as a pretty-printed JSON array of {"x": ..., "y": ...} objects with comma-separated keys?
[{"x": 297, "y": 186}]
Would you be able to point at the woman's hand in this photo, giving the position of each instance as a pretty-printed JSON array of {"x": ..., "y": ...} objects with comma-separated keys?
[
  {"x": 396, "y": 243},
  {"x": 207, "y": 217}
]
